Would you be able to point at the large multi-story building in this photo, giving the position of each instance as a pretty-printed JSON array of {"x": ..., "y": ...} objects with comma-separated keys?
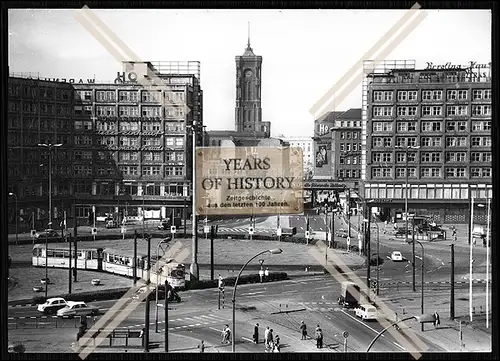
[
  {"x": 428, "y": 130},
  {"x": 126, "y": 145}
]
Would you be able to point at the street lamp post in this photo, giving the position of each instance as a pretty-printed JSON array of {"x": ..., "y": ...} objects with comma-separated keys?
[
  {"x": 422, "y": 270},
  {"x": 378, "y": 256},
  {"x": 16, "y": 216},
  {"x": 157, "y": 283},
  {"x": 406, "y": 147},
  {"x": 193, "y": 268},
  {"x": 50, "y": 146},
  {"x": 272, "y": 251}
]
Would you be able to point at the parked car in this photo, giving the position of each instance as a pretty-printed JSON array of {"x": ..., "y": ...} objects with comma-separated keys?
[
  {"x": 52, "y": 305},
  {"x": 396, "y": 256},
  {"x": 342, "y": 233},
  {"x": 111, "y": 224},
  {"x": 77, "y": 309},
  {"x": 49, "y": 233}
]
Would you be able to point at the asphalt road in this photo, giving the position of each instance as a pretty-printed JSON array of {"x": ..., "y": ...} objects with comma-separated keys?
[{"x": 197, "y": 317}]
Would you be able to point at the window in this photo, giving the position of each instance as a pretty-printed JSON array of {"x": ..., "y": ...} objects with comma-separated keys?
[
  {"x": 456, "y": 141},
  {"x": 487, "y": 94},
  {"x": 402, "y": 95},
  {"x": 455, "y": 157},
  {"x": 430, "y": 142},
  {"x": 481, "y": 125},
  {"x": 151, "y": 126},
  {"x": 179, "y": 142},
  {"x": 430, "y": 172},
  {"x": 146, "y": 170},
  {"x": 462, "y": 94},
  {"x": 105, "y": 96},
  {"x": 480, "y": 157},
  {"x": 381, "y": 172},
  {"x": 382, "y": 157},
  {"x": 458, "y": 172},
  {"x": 382, "y": 111},
  {"x": 431, "y": 126},
  {"x": 481, "y": 142},
  {"x": 379, "y": 127},
  {"x": 128, "y": 111},
  {"x": 151, "y": 112},
  {"x": 452, "y": 94},
  {"x": 456, "y": 126},
  {"x": 456, "y": 110},
  {"x": 178, "y": 171},
  {"x": 149, "y": 141},
  {"x": 106, "y": 111},
  {"x": 128, "y": 96},
  {"x": 430, "y": 157},
  {"x": 426, "y": 94},
  {"x": 382, "y": 95},
  {"x": 150, "y": 96},
  {"x": 480, "y": 110},
  {"x": 437, "y": 95}
]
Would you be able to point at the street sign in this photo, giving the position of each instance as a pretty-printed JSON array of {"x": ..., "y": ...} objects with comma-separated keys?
[
  {"x": 278, "y": 231},
  {"x": 33, "y": 232},
  {"x": 250, "y": 231},
  {"x": 345, "y": 334},
  {"x": 124, "y": 229},
  {"x": 206, "y": 229},
  {"x": 94, "y": 231},
  {"x": 308, "y": 234},
  {"x": 173, "y": 229}
]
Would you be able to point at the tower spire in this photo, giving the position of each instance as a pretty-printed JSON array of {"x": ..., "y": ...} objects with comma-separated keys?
[{"x": 248, "y": 46}]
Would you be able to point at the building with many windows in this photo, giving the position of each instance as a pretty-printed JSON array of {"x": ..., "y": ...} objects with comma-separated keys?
[
  {"x": 428, "y": 129},
  {"x": 126, "y": 145}
]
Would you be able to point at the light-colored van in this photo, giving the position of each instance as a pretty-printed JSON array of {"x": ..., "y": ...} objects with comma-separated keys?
[{"x": 366, "y": 312}]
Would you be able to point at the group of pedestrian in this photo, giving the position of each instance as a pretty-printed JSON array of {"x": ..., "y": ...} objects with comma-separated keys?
[
  {"x": 263, "y": 273},
  {"x": 318, "y": 334},
  {"x": 272, "y": 344}
]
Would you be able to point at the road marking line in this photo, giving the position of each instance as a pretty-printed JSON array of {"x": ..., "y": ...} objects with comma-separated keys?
[
  {"x": 212, "y": 328},
  {"x": 247, "y": 339},
  {"x": 397, "y": 344}
]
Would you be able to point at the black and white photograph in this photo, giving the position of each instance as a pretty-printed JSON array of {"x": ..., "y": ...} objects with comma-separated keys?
[{"x": 350, "y": 210}]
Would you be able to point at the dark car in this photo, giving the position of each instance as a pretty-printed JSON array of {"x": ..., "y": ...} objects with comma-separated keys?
[{"x": 49, "y": 233}]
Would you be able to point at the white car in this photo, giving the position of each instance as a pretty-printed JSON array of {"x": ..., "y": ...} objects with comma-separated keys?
[
  {"x": 366, "y": 312},
  {"x": 77, "y": 309},
  {"x": 396, "y": 256},
  {"x": 52, "y": 305}
]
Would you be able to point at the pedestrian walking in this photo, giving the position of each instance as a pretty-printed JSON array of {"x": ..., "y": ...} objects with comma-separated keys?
[
  {"x": 303, "y": 330},
  {"x": 277, "y": 343},
  {"x": 437, "y": 321},
  {"x": 319, "y": 337},
  {"x": 261, "y": 274},
  {"x": 226, "y": 333},
  {"x": 266, "y": 273},
  {"x": 201, "y": 346},
  {"x": 270, "y": 338},
  {"x": 256, "y": 333},
  {"x": 266, "y": 335}
]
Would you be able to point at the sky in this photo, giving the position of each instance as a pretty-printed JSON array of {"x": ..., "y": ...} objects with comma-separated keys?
[{"x": 305, "y": 52}]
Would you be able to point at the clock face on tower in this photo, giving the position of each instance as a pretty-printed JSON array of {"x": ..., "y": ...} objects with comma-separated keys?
[{"x": 248, "y": 73}]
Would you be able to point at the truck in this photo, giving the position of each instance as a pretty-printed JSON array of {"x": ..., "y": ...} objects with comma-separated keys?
[{"x": 350, "y": 294}]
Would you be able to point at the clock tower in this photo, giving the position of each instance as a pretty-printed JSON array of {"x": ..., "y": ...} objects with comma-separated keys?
[{"x": 248, "y": 112}]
